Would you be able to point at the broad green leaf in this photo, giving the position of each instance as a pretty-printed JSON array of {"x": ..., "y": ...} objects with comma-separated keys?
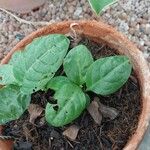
[
  {"x": 106, "y": 75},
  {"x": 19, "y": 66},
  {"x": 71, "y": 101},
  {"x": 99, "y": 5},
  {"x": 6, "y": 75},
  {"x": 76, "y": 64},
  {"x": 38, "y": 62},
  {"x": 12, "y": 103},
  {"x": 57, "y": 82}
]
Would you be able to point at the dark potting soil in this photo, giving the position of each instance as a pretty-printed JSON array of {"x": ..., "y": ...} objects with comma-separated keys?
[{"x": 112, "y": 134}]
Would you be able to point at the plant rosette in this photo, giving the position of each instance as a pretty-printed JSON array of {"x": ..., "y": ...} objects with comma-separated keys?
[
  {"x": 41, "y": 59},
  {"x": 42, "y": 54}
]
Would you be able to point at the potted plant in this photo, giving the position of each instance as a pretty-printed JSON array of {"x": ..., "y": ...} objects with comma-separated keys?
[
  {"x": 95, "y": 31},
  {"x": 83, "y": 81}
]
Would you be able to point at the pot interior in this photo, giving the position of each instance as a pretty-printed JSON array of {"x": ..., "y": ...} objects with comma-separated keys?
[{"x": 102, "y": 33}]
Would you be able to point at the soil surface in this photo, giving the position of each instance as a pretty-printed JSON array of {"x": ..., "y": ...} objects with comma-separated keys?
[{"x": 112, "y": 134}]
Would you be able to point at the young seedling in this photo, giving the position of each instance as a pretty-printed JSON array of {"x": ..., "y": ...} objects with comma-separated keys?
[{"x": 34, "y": 69}]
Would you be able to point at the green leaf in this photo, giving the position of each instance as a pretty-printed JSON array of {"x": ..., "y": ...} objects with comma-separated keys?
[
  {"x": 6, "y": 75},
  {"x": 12, "y": 103},
  {"x": 71, "y": 101},
  {"x": 99, "y": 5},
  {"x": 38, "y": 62},
  {"x": 19, "y": 66},
  {"x": 57, "y": 82},
  {"x": 76, "y": 64},
  {"x": 107, "y": 75}
]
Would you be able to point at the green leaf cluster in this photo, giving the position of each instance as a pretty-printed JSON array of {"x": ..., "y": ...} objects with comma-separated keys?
[
  {"x": 34, "y": 69},
  {"x": 104, "y": 77},
  {"x": 28, "y": 71}
]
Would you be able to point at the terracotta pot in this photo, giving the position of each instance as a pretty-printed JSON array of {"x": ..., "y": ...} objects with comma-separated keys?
[
  {"x": 21, "y": 6},
  {"x": 100, "y": 32}
]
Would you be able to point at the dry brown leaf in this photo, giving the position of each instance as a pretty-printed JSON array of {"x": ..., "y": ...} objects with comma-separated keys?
[
  {"x": 93, "y": 110},
  {"x": 71, "y": 132},
  {"x": 107, "y": 112},
  {"x": 34, "y": 111}
]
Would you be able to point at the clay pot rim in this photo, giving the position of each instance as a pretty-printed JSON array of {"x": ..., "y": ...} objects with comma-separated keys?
[{"x": 142, "y": 69}]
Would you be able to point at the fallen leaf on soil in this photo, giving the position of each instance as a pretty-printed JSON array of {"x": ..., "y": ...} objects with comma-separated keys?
[
  {"x": 93, "y": 110},
  {"x": 107, "y": 112},
  {"x": 71, "y": 132},
  {"x": 34, "y": 111}
]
